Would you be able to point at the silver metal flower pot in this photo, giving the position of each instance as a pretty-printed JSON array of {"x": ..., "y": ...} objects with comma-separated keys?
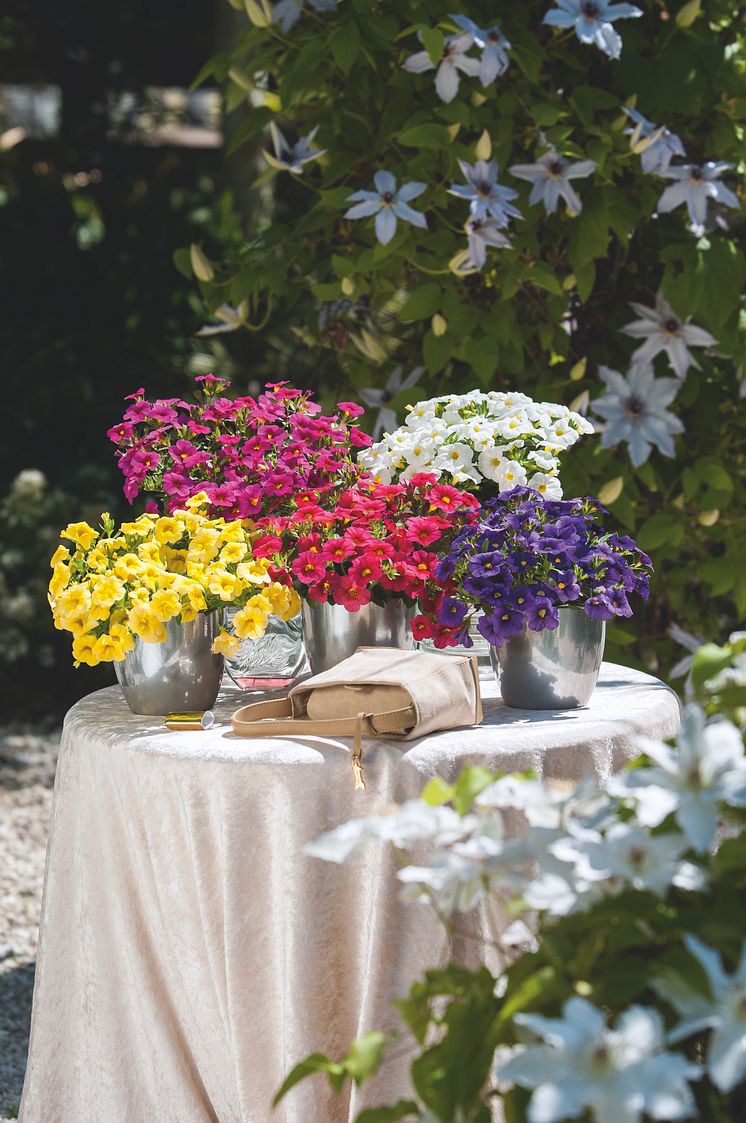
[
  {"x": 179, "y": 674},
  {"x": 332, "y": 634},
  {"x": 551, "y": 670}
]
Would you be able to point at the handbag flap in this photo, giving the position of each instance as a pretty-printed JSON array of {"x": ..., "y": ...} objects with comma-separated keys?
[{"x": 442, "y": 688}]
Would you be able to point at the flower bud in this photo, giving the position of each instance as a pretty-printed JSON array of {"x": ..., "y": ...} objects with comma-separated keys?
[{"x": 439, "y": 324}]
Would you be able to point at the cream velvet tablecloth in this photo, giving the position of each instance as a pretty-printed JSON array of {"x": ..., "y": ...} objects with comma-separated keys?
[{"x": 191, "y": 953}]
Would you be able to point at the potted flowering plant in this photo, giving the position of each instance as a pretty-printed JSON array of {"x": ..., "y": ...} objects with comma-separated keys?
[
  {"x": 486, "y": 442},
  {"x": 546, "y": 576},
  {"x": 363, "y": 558},
  {"x": 148, "y": 595},
  {"x": 250, "y": 456}
]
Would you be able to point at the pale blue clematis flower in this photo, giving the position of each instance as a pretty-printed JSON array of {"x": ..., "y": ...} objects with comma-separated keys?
[
  {"x": 287, "y": 12},
  {"x": 723, "y": 1011},
  {"x": 481, "y": 233},
  {"x": 387, "y": 204},
  {"x": 550, "y": 177},
  {"x": 378, "y": 397},
  {"x": 488, "y": 198},
  {"x": 292, "y": 157},
  {"x": 494, "y": 47},
  {"x": 696, "y": 183},
  {"x": 592, "y": 20},
  {"x": 634, "y": 411},
  {"x": 454, "y": 60},
  {"x": 663, "y": 145},
  {"x": 662, "y": 330}
]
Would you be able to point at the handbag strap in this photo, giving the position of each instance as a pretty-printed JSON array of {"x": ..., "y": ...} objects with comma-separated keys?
[{"x": 274, "y": 719}]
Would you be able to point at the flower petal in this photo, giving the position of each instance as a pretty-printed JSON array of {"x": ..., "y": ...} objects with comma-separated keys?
[
  {"x": 385, "y": 225},
  {"x": 385, "y": 182}
]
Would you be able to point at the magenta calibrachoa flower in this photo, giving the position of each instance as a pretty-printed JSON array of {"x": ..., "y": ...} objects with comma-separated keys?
[{"x": 250, "y": 456}]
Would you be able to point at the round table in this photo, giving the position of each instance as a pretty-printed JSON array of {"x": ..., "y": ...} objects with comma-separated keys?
[{"x": 191, "y": 953}]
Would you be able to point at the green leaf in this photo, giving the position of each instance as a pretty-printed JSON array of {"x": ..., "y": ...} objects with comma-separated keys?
[
  {"x": 585, "y": 279},
  {"x": 345, "y": 45},
  {"x": 436, "y": 351},
  {"x": 543, "y": 277},
  {"x": 434, "y": 43},
  {"x": 421, "y": 303},
  {"x": 528, "y": 993},
  {"x": 390, "y": 1114},
  {"x": 708, "y": 661},
  {"x": 317, "y": 1062},
  {"x": 655, "y": 531},
  {"x": 425, "y": 136},
  {"x": 365, "y": 1055},
  {"x": 183, "y": 261},
  {"x": 436, "y": 792},
  {"x": 471, "y": 781}
]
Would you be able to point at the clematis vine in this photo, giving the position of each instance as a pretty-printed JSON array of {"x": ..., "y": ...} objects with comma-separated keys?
[
  {"x": 593, "y": 21},
  {"x": 387, "y": 204},
  {"x": 492, "y": 43},
  {"x": 695, "y": 184},
  {"x": 454, "y": 60},
  {"x": 550, "y": 177},
  {"x": 656, "y": 144},
  {"x": 481, "y": 233},
  {"x": 634, "y": 411},
  {"x": 662, "y": 330},
  {"x": 292, "y": 157},
  {"x": 487, "y": 197},
  {"x": 378, "y": 397}
]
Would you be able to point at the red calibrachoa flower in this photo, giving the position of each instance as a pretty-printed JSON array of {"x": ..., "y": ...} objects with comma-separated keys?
[{"x": 371, "y": 543}]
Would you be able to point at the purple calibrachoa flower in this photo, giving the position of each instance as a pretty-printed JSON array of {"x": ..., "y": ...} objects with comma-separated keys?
[
  {"x": 488, "y": 198},
  {"x": 550, "y": 176},
  {"x": 454, "y": 60},
  {"x": 494, "y": 47},
  {"x": 662, "y": 330},
  {"x": 593, "y": 21},
  {"x": 525, "y": 557},
  {"x": 662, "y": 147},
  {"x": 387, "y": 204},
  {"x": 634, "y": 411},
  {"x": 695, "y": 184}
]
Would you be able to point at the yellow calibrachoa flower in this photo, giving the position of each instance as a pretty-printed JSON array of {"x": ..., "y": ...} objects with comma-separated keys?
[
  {"x": 61, "y": 554},
  {"x": 59, "y": 580},
  {"x": 222, "y": 583},
  {"x": 81, "y": 533},
  {"x": 226, "y": 644},
  {"x": 233, "y": 552},
  {"x": 168, "y": 531},
  {"x": 106, "y": 591},
  {"x": 165, "y": 604},
  {"x": 83, "y": 650},
  {"x": 194, "y": 502},
  {"x": 123, "y": 585},
  {"x": 145, "y": 624},
  {"x": 253, "y": 572}
]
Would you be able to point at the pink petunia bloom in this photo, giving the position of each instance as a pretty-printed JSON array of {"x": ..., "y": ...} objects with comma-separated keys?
[
  {"x": 357, "y": 536},
  {"x": 140, "y": 411},
  {"x": 350, "y": 592},
  {"x": 352, "y": 409},
  {"x": 426, "y": 529},
  {"x": 177, "y": 484},
  {"x": 144, "y": 461},
  {"x": 366, "y": 569},
  {"x": 137, "y": 394},
  {"x": 120, "y": 433}
]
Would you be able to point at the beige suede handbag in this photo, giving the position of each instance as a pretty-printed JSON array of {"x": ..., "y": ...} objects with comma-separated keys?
[{"x": 377, "y": 692}]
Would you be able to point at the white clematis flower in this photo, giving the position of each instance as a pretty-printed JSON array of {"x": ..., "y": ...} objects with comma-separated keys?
[
  {"x": 454, "y": 60},
  {"x": 618, "y": 1074},
  {"x": 706, "y": 769},
  {"x": 662, "y": 330},
  {"x": 724, "y": 1012},
  {"x": 408, "y": 824}
]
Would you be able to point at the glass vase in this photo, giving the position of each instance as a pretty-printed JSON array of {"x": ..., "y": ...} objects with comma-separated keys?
[{"x": 272, "y": 662}]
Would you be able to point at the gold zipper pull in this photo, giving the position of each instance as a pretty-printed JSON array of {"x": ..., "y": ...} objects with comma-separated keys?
[{"x": 357, "y": 771}]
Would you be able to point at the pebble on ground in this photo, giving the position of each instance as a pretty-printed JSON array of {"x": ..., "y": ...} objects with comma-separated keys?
[{"x": 27, "y": 763}]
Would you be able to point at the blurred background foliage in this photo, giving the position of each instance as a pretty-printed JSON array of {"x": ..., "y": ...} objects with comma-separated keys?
[{"x": 110, "y": 169}]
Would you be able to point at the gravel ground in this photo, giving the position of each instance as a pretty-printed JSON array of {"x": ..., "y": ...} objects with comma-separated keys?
[{"x": 27, "y": 763}]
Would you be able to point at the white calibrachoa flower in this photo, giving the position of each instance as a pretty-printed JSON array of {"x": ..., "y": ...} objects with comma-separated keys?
[
  {"x": 723, "y": 1011},
  {"x": 506, "y": 439},
  {"x": 706, "y": 769},
  {"x": 582, "y": 1063}
]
